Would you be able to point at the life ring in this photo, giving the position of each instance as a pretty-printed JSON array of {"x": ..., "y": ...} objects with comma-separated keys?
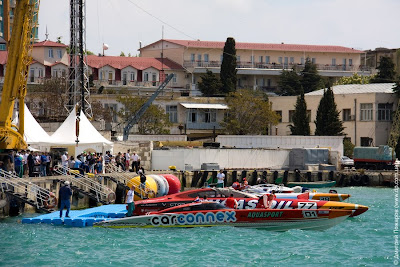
[
  {"x": 50, "y": 201},
  {"x": 111, "y": 197},
  {"x": 365, "y": 180}
]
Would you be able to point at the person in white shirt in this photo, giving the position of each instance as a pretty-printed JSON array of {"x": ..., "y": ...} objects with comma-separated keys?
[
  {"x": 127, "y": 159},
  {"x": 221, "y": 178},
  {"x": 135, "y": 162},
  {"x": 129, "y": 200},
  {"x": 64, "y": 162}
]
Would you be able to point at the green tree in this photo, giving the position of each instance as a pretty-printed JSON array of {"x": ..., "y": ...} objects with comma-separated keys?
[
  {"x": 396, "y": 88},
  {"x": 301, "y": 125},
  {"x": 210, "y": 85},
  {"x": 228, "y": 67},
  {"x": 348, "y": 147},
  {"x": 122, "y": 54},
  {"x": 386, "y": 71},
  {"x": 327, "y": 122},
  {"x": 310, "y": 79},
  {"x": 289, "y": 83},
  {"x": 89, "y": 53},
  {"x": 355, "y": 79},
  {"x": 249, "y": 113},
  {"x": 153, "y": 121}
]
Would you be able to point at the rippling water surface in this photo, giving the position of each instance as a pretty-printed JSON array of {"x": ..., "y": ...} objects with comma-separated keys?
[{"x": 366, "y": 240}]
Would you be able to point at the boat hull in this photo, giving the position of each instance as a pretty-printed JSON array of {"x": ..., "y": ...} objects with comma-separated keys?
[
  {"x": 269, "y": 219},
  {"x": 319, "y": 184}
]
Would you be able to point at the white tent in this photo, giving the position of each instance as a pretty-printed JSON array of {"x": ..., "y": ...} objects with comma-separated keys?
[
  {"x": 34, "y": 134},
  {"x": 89, "y": 138}
]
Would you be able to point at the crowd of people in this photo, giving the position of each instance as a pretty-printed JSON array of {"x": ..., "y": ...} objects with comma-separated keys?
[
  {"x": 26, "y": 163},
  {"x": 29, "y": 163}
]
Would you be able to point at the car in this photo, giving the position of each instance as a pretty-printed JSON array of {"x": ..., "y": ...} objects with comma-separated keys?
[{"x": 346, "y": 161}]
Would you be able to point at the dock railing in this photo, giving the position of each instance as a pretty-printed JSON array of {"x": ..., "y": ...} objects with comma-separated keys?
[
  {"x": 102, "y": 193},
  {"x": 28, "y": 192}
]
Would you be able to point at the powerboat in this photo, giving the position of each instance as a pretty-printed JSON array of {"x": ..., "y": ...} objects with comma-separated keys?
[
  {"x": 207, "y": 214},
  {"x": 245, "y": 201}
]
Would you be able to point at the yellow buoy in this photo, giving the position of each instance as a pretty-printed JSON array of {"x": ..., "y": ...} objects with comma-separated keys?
[{"x": 150, "y": 191}]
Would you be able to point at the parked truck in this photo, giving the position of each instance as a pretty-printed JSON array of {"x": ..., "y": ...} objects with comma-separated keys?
[{"x": 374, "y": 158}]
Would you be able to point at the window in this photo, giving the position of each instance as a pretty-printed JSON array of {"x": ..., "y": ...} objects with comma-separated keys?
[
  {"x": 2, "y": 47},
  {"x": 124, "y": 77},
  {"x": 313, "y": 60},
  {"x": 51, "y": 53},
  {"x": 346, "y": 115},
  {"x": 146, "y": 76},
  {"x": 350, "y": 62},
  {"x": 291, "y": 60},
  {"x": 132, "y": 76},
  {"x": 192, "y": 57},
  {"x": 238, "y": 58},
  {"x": 280, "y": 60},
  {"x": 172, "y": 112},
  {"x": 174, "y": 78},
  {"x": 32, "y": 75},
  {"x": 59, "y": 53},
  {"x": 366, "y": 141},
  {"x": 252, "y": 59},
  {"x": 55, "y": 74},
  {"x": 192, "y": 115},
  {"x": 291, "y": 112},
  {"x": 221, "y": 58},
  {"x": 333, "y": 61},
  {"x": 199, "y": 57},
  {"x": 260, "y": 59},
  {"x": 385, "y": 112},
  {"x": 40, "y": 73},
  {"x": 302, "y": 61},
  {"x": 210, "y": 115},
  {"x": 260, "y": 82},
  {"x": 205, "y": 57},
  {"x": 279, "y": 112},
  {"x": 366, "y": 112},
  {"x": 267, "y": 59}
]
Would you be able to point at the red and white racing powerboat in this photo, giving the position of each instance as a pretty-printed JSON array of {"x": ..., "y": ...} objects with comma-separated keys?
[
  {"x": 205, "y": 214},
  {"x": 245, "y": 201}
]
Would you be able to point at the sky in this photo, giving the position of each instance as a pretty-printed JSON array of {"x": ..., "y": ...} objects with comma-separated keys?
[{"x": 122, "y": 24}]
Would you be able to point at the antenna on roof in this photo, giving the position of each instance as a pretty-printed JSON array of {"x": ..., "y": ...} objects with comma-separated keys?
[{"x": 47, "y": 34}]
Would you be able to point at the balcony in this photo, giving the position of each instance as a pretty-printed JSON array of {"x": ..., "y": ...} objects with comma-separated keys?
[
  {"x": 275, "y": 66},
  {"x": 125, "y": 83},
  {"x": 202, "y": 125}
]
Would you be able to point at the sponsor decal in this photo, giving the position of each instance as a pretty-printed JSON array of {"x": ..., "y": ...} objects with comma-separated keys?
[
  {"x": 325, "y": 198},
  {"x": 265, "y": 214},
  {"x": 194, "y": 218},
  {"x": 310, "y": 214}
]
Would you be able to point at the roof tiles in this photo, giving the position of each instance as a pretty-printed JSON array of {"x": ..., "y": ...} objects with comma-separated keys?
[{"x": 267, "y": 46}]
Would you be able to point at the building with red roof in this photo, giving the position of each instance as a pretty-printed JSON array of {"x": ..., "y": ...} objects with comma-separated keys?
[{"x": 259, "y": 64}]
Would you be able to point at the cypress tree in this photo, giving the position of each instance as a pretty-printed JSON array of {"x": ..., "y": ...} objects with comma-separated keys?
[
  {"x": 228, "y": 67},
  {"x": 300, "y": 124},
  {"x": 386, "y": 72},
  {"x": 327, "y": 122},
  {"x": 310, "y": 79}
]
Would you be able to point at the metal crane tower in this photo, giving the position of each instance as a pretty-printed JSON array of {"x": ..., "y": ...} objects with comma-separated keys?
[{"x": 78, "y": 81}]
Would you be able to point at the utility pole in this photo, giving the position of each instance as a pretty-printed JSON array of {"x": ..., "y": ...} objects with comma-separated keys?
[{"x": 78, "y": 78}]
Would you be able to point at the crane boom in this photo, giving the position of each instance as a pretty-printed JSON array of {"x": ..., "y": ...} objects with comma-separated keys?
[
  {"x": 15, "y": 79},
  {"x": 135, "y": 118}
]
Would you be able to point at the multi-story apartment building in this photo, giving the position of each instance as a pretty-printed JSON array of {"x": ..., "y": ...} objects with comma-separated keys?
[
  {"x": 7, "y": 10},
  {"x": 365, "y": 109},
  {"x": 259, "y": 65}
]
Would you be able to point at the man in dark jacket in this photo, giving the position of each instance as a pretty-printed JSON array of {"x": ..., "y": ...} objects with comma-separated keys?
[
  {"x": 65, "y": 194},
  {"x": 31, "y": 163}
]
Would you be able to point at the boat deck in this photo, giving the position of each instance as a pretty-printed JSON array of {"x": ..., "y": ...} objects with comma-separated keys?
[{"x": 81, "y": 218}]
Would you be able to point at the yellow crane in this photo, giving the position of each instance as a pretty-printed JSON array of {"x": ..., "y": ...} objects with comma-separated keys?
[{"x": 16, "y": 75}]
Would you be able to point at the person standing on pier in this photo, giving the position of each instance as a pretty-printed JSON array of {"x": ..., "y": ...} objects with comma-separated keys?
[
  {"x": 64, "y": 162},
  {"x": 31, "y": 163},
  {"x": 129, "y": 200},
  {"x": 65, "y": 194},
  {"x": 221, "y": 179}
]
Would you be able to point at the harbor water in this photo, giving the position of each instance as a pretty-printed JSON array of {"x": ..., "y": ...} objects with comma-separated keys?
[{"x": 366, "y": 240}]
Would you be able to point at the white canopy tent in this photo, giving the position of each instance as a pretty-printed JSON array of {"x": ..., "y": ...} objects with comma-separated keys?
[
  {"x": 34, "y": 134},
  {"x": 89, "y": 138}
]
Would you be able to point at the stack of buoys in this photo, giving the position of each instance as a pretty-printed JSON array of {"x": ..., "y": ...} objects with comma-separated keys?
[{"x": 156, "y": 186}]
